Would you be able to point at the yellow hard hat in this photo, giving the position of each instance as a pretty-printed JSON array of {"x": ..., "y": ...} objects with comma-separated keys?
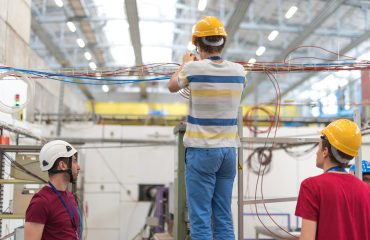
[
  {"x": 344, "y": 135},
  {"x": 208, "y": 26}
]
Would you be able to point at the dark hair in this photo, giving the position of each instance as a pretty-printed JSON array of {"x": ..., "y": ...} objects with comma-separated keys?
[
  {"x": 210, "y": 49},
  {"x": 326, "y": 144},
  {"x": 56, "y": 164}
]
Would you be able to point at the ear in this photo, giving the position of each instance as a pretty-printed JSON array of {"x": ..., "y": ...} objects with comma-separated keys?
[
  {"x": 325, "y": 152},
  {"x": 62, "y": 165}
]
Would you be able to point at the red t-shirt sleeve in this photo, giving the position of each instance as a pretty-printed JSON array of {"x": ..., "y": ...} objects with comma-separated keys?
[
  {"x": 37, "y": 211},
  {"x": 308, "y": 201}
]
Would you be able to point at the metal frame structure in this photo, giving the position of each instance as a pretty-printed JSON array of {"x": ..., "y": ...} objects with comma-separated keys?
[
  {"x": 181, "y": 230},
  {"x": 318, "y": 22},
  {"x": 3, "y": 150}
]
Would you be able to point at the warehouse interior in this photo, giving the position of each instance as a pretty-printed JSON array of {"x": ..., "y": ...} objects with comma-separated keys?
[{"x": 94, "y": 73}]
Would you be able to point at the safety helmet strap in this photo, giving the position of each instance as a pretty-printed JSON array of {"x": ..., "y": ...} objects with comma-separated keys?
[{"x": 68, "y": 170}]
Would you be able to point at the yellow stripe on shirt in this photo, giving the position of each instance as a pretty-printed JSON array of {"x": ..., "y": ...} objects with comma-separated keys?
[
  {"x": 216, "y": 93},
  {"x": 184, "y": 78},
  {"x": 226, "y": 135}
]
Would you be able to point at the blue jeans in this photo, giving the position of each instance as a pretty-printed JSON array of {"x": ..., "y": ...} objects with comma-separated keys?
[{"x": 209, "y": 178}]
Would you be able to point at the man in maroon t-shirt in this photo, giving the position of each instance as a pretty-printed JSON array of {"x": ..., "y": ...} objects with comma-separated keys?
[
  {"x": 335, "y": 205},
  {"x": 53, "y": 213}
]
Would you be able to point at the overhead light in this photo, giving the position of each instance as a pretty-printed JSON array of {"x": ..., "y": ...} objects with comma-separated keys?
[
  {"x": 80, "y": 42},
  {"x": 71, "y": 26},
  {"x": 252, "y": 60},
  {"x": 273, "y": 35},
  {"x": 191, "y": 46},
  {"x": 260, "y": 51},
  {"x": 105, "y": 88},
  {"x": 87, "y": 56},
  {"x": 59, "y": 3},
  {"x": 202, "y": 4},
  {"x": 292, "y": 10},
  {"x": 92, "y": 65}
]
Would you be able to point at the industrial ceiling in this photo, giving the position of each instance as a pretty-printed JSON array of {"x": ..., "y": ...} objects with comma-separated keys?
[{"x": 109, "y": 34}]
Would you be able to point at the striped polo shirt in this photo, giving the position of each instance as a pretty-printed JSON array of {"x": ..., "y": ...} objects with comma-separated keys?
[{"x": 215, "y": 95}]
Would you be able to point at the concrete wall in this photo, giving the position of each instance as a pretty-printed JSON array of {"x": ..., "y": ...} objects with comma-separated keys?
[{"x": 15, "y": 29}]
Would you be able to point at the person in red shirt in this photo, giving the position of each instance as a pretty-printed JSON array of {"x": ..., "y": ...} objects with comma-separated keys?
[
  {"x": 53, "y": 213},
  {"x": 335, "y": 205}
]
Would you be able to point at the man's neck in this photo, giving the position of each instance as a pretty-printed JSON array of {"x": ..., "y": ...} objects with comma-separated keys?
[
  {"x": 329, "y": 164},
  {"x": 59, "y": 181},
  {"x": 208, "y": 55}
]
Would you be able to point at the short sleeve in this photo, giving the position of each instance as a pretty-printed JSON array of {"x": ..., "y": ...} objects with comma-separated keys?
[
  {"x": 37, "y": 211},
  {"x": 182, "y": 80},
  {"x": 308, "y": 202},
  {"x": 243, "y": 73}
]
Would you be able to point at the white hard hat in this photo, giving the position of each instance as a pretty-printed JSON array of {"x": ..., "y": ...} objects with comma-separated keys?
[{"x": 53, "y": 150}]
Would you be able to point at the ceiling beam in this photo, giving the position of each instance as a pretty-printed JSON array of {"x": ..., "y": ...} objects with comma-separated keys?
[
  {"x": 235, "y": 20},
  {"x": 86, "y": 28},
  {"x": 344, "y": 50},
  {"x": 133, "y": 21},
  {"x": 327, "y": 11},
  {"x": 45, "y": 37}
]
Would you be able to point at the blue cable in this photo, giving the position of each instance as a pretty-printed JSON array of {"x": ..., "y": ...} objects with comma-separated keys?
[{"x": 105, "y": 80}]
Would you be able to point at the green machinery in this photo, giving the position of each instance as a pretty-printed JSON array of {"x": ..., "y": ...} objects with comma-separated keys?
[{"x": 180, "y": 230}]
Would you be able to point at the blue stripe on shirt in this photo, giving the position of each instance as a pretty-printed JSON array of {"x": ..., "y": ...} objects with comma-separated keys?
[
  {"x": 212, "y": 121},
  {"x": 216, "y": 79}
]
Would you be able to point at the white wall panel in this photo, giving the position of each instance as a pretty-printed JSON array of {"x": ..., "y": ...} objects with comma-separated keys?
[
  {"x": 103, "y": 210},
  {"x": 133, "y": 218},
  {"x": 106, "y": 234}
]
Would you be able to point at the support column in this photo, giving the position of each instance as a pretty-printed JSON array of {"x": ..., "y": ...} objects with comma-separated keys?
[
  {"x": 180, "y": 215},
  {"x": 365, "y": 95},
  {"x": 240, "y": 179}
]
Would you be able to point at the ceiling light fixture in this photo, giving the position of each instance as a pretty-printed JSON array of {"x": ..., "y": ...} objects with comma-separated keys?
[
  {"x": 59, "y": 3},
  {"x": 80, "y": 42},
  {"x": 71, "y": 26},
  {"x": 273, "y": 35},
  {"x": 292, "y": 10},
  {"x": 252, "y": 60},
  {"x": 92, "y": 66},
  {"x": 87, "y": 56},
  {"x": 202, "y": 4},
  {"x": 105, "y": 88},
  {"x": 260, "y": 51}
]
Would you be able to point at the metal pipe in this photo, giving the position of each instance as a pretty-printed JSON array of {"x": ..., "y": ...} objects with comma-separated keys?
[
  {"x": 240, "y": 179},
  {"x": 20, "y": 131},
  {"x": 60, "y": 108},
  {"x": 280, "y": 140},
  {"x": 358, "y": 158},
  {"x": 272, "y": 200}
]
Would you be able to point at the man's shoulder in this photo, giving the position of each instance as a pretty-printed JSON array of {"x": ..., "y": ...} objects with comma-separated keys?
[
  {"x": 42, "y": 196},
  {"x": 314, "y": 180},
  {"x": 236, "y": 67}
]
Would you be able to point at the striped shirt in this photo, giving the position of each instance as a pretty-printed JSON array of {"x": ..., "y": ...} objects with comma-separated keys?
[{"x": 215, "y": 94}]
